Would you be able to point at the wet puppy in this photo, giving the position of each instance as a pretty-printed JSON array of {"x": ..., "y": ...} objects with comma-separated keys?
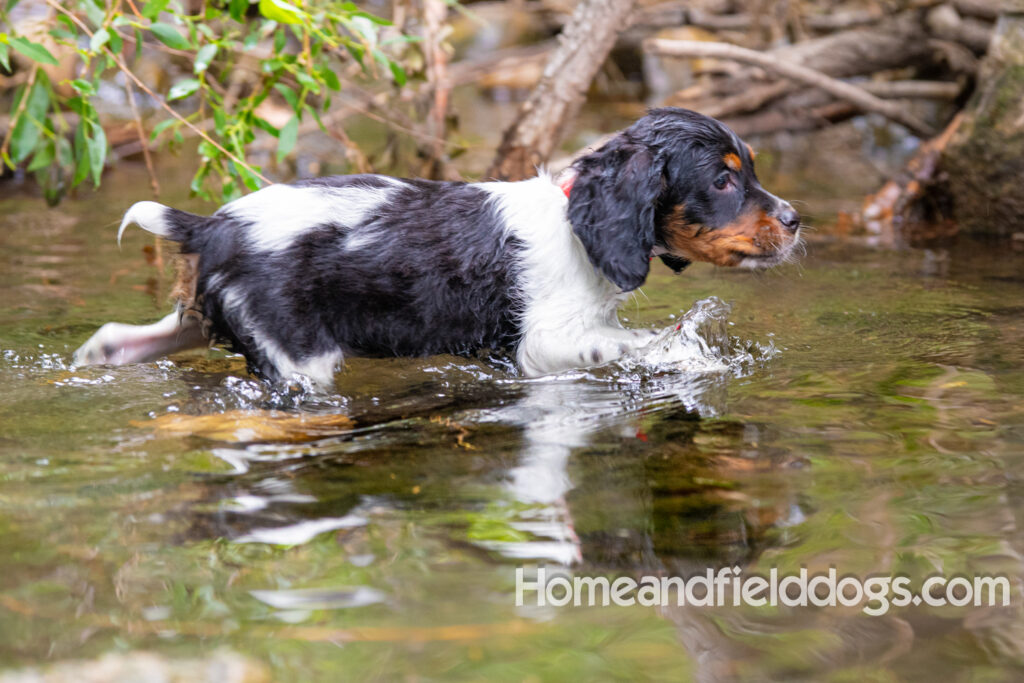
[{"x": 298, "y": 276}]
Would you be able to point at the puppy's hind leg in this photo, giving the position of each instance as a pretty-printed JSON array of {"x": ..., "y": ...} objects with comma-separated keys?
[{"x": 120, "y": 344}]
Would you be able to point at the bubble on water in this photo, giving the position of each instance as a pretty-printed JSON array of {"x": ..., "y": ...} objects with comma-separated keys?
[{"x": 33, "y": 361}]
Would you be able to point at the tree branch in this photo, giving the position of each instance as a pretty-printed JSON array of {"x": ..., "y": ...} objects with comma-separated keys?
[{"x": 583, "y": 47}]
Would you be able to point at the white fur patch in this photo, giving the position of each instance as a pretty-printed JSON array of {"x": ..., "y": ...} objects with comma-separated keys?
[
  {"x": 568, "y": 313},
  {"x": 147, "y": 215},
  {"x": 279, "y": 213}
]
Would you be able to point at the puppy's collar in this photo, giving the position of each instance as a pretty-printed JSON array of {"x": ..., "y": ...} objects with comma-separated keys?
[
  {"x": 565, "y": 180},
  {"x": 566, "y": 185}
]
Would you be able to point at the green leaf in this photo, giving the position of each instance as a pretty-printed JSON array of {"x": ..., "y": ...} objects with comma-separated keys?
[
  {"x": 199, "y": 178},
  {"x": 229, "y": 190},
  {"x": 62, "y": 34},
  {"x": 308, "y": 81},
  {"x": 65, "y": 155},
  {"x": 263, "y": 124},
  {"x": 160, "y": 128},
  {"x": 83, "y": 87},
  {"x": 237, "y": 9},
  {"x": 99, "y": 39},
  {"x": 329, "y": 78},
  {"x": 97, "y": 145},
  {"x": 95, "y": 14},
  {"x": 67, "y": 23},
  {"x": 380, "y": 21},
  {"x": 81, "y": 154},
  {"x": 44, "y": 156},
  {"x": 286, "y": 139},
  {"x": 182, "y": 89},
  {"x": 169, "y": 36},
  {"x": 5, "y": 60},
  {"x": 250, "y": 180},
  {"x": 401, "y": 40},
  {"x": 24, "y": 139},
  {"x": 316, "y": 116},
  {"x": 281, "y": 12},
  {"x": 204, "y": 57},
  {"x": 153, "y": 9},
  {"x": 26, "y": 132},
  {"x": 397, "y": 71},
  {"x": 364, "y": 28},
  {"x": 289, "y": 95},
  {"x": 116, "y": 43},
  {"x": 33, "y": 51},
  {"x": 220, "y": 120}
]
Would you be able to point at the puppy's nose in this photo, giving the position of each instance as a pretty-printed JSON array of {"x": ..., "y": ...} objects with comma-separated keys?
[{"x": 789, "y": 218}]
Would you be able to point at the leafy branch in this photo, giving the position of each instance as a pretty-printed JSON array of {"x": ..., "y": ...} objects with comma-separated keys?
[{"x": 238, "y": 54}]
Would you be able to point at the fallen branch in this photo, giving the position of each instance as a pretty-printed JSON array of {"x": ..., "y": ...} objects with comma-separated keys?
[
  {"x": 835, "y": 21},
  {"x": 914, "y": 89},
  {"x": 836, "y": 88},
  {"x": 887, "y": 212},
  {"x": 947, "y": 24}
]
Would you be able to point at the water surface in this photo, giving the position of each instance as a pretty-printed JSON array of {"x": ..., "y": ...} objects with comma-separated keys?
[{"x": 869, "y": 415}]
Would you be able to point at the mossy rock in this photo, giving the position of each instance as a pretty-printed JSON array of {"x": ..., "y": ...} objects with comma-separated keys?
[{"x": 984, "y": 162}]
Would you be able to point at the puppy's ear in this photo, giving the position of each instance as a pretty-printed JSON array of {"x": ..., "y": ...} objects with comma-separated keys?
[
  {"x": 676, "y": 263},
  {"x": 612, "y": 207}
]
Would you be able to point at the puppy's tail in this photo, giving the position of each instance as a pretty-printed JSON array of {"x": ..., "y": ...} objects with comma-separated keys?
[{"x": 161, "y": 220}]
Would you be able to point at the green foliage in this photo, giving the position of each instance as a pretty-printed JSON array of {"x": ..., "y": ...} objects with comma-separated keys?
[{"x": 291, "y": 50}]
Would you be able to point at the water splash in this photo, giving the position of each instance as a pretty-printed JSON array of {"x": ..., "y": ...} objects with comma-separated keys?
[{"x": 700, "y": 342}]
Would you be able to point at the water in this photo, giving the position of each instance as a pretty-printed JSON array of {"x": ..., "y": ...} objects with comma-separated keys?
[{"x": 864, "y": 410}]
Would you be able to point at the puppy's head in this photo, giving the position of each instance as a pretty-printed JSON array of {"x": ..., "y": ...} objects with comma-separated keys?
[{"x": 679, "y": 185}]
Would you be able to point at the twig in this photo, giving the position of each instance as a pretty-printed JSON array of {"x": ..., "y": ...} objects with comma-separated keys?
[
  {"x": 163, "y": 104},
  {"x": 153, "y": 182},
  {"x": 437, "y": 87},
  {"x": 803, "y": 74}
]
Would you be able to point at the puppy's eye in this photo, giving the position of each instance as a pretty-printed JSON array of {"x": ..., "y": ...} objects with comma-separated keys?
[{"x": 722, "y": 181}]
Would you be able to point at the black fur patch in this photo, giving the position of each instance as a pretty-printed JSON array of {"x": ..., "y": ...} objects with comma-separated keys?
[{"x": 438, "y": 277}]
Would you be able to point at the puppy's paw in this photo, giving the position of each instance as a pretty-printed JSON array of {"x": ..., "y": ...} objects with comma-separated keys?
[{"x": 105, "y": 347}]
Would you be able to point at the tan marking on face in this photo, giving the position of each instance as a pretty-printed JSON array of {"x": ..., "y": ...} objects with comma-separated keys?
[
  {"x": 733, "y": 161},
  {"x": 750, "y": 235},
  {"x": 751, "y": 151}
]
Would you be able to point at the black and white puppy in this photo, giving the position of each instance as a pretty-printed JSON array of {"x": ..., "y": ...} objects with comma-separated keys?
[{"x": 298, "y": 276}]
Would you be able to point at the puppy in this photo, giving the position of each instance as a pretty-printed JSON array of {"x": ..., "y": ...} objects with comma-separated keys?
[{"x": 298, "y": 276}]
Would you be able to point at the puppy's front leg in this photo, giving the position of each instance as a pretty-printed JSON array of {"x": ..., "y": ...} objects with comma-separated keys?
[{"x": 555, "y": 351}]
